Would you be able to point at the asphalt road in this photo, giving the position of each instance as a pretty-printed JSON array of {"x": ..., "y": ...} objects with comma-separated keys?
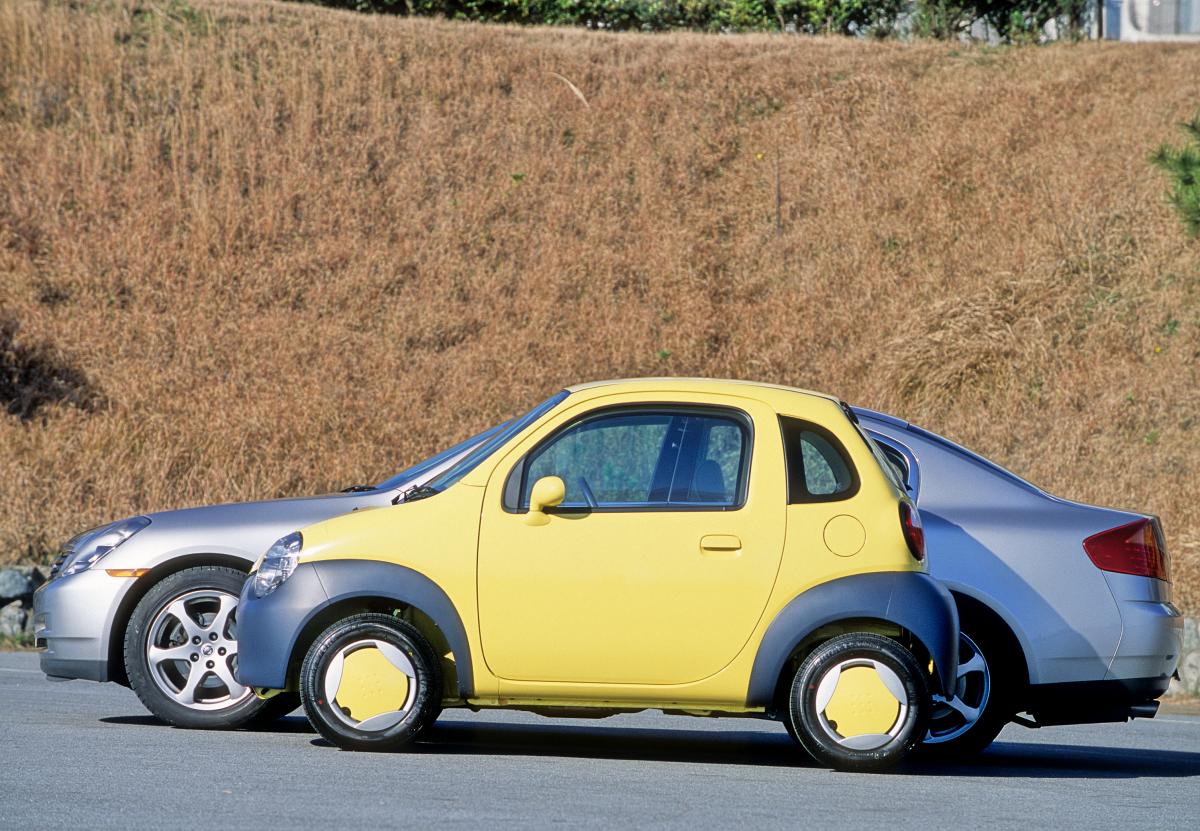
[{"x": 86, "y": 755}]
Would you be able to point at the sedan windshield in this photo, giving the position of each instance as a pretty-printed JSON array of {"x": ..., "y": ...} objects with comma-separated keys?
[
  {"x": 420, "y": 468},
  {"x": 488, "y": 447}
]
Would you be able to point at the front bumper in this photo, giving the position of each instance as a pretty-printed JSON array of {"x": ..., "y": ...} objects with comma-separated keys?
[
  {"x": 73, "y": 618},
  {"x": 268, "y": 627}
]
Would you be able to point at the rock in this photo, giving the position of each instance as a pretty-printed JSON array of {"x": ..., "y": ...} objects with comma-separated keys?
[
  {"x": 13, "y": 620},
  {"x": 1189, "y": 659},
  {"x": 18, "y": 583}
]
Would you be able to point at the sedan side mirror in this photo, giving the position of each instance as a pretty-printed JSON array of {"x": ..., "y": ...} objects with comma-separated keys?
[{"x": 547, "y": 492}]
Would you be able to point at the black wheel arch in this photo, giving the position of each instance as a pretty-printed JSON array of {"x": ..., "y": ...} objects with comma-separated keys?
[
  {"x": 911, "y": 604},
  {"x": 279, "y": 629}
]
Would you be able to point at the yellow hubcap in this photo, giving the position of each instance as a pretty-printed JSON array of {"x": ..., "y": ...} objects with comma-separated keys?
[
  {"x": 861, "y": 704},
  {"x": 370, "y": 685}
]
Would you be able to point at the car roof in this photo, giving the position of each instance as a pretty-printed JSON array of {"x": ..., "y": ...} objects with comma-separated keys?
[{"x": 694, "y": 385}]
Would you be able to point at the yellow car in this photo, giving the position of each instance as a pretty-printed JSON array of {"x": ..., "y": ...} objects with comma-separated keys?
[{"x": 700, "y": 547}]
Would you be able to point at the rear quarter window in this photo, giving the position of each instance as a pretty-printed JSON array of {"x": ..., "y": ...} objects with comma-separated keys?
[{"x": 818, "y": 467}]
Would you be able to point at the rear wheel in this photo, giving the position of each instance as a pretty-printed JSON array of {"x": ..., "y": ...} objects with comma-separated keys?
[
  {"x": 181, "y": 653},
  {"x": 967, "y": 722},
  {"x": 371, "y": 682},
  {"x": 859, "y": 702}
]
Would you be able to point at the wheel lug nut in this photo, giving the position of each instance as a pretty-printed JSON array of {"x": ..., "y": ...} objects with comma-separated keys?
[
  {"x": 221, "y": 651},
  {"x": 195, "y": 657},
  {"x": 209, "y": 664},
  {"x": 196, "y": 639},
  {"x": 212, "y": 636}
]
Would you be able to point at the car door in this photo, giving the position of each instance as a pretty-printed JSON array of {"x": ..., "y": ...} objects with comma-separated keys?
[{"x": 657, "y": 565}]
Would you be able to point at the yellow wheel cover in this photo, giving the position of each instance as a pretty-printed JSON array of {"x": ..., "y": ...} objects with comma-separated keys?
[
  {"x": 861, "y": 704},
  {"x": 370, "y": 685}
]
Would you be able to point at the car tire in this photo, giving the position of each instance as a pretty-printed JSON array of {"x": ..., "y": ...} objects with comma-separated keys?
[
  {"x": 181, "y": 653},
  {"x": 371, "y": 682},
  {"x": 983, "y": 702},
  {"x": 874, "y": 687}
]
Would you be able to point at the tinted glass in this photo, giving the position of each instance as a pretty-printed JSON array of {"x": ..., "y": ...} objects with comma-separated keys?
[
  {"x": 818, "y": 468},
  {"x": 615, "y": 457},
  {"x": 897, "y": 463},
  {"x": 421, "y": 468},
  {"x": 476, "y": 456},
  {"x": 644, "y": 459}
]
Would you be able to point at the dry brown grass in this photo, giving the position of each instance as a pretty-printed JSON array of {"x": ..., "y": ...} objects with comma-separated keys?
[{"x": 275, "y": 249}]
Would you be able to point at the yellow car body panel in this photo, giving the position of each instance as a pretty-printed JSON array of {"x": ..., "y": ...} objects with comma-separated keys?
[{"x": 639, "y": 608}]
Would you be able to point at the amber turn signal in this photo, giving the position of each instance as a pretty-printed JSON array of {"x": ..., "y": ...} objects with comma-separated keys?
[{"x": 125, "y": 572}]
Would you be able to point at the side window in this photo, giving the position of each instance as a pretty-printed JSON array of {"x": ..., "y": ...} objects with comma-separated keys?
[
  {"x": 818, "y": 468},
  {"x": 897, "y": 462},
  {"x": 614, "y": 457},
  {"x": 643, "y": 459}
]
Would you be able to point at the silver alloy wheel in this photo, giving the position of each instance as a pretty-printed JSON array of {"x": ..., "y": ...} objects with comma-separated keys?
[
  {"x": 377, "y": 721},
  {"x": 191, "y": 648},
  {"x": 952, "y": 717},
  {"x": 864, "y": 741}
]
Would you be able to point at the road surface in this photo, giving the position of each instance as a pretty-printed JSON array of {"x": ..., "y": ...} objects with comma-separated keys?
[{"x": 79, "y": 754}]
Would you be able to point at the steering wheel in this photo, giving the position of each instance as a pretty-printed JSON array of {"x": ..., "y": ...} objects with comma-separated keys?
[{"x": 587, "y": 492}]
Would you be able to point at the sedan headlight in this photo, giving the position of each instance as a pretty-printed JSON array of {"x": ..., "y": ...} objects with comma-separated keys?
[
  {"x": 278, "y": 564},
  {"x": 90, "y": 547}
]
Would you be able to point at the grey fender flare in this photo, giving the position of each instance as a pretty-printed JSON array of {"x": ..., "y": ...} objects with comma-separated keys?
[
  {"x": 269, "y": 628},
  {"x": 911, "y": 600}
]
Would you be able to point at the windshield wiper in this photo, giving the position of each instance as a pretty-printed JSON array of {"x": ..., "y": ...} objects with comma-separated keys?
[
  {"x": 358, "y": 489},
  {"x": 414, "y": 493}
]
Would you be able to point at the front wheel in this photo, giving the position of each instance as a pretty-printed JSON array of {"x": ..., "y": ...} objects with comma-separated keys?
[
  {"x": 181, "y": 653},
  {"x": 371, "y": 682},
  {"x": 859, "y": 702}
]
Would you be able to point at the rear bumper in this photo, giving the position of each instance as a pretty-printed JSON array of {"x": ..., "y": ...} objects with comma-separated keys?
[
  {"x": 72, "y": 619},
  {"x": 1094, "y": 702},
  {"x": 1152, "y": 629}
]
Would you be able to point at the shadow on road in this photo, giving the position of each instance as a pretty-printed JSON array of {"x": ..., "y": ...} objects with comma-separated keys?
[
  {"x": 288, "y": 724},
  {"x": 1002, "y": 760},
  {"x": 755, "y": 747},
  {"x": 1068, "y": 761}
]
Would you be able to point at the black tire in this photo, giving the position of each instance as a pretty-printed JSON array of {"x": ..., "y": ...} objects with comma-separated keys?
[
  {"x": 817, "y": 732},
  {"x": 334, "y": 721},
  {"x": 152, "y": 683},
  {"x": 992, "y": 689}
]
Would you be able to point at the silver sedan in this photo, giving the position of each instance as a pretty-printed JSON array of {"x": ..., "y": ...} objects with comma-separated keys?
[
  {"x": 151, "y": 601},
  {"x": 1065, "y": 608}
]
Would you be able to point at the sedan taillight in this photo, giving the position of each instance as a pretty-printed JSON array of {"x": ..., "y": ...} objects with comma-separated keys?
[
  {"x": 1129, "y": 549},
  {"x": 914, "y": 533}
]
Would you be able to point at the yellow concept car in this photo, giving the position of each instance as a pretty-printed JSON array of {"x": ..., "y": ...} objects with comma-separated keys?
[{"x": 700, "y": 547}]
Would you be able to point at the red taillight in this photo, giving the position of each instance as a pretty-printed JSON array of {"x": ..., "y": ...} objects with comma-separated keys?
[
  {"x": 1129, "y": 549},
  {"x": 914, "y": 534}
]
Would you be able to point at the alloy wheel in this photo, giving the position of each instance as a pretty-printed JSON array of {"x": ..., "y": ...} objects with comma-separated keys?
[
  {"x": 954, "y": 716},
  {"x": 191, "y": 650}
]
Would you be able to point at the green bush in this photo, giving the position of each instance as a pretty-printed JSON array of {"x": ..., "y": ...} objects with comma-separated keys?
[
  {"x": 1182, "y": 166},
  {"x": 812, "y": 16},
  {"x": 1012, "y": 20}
]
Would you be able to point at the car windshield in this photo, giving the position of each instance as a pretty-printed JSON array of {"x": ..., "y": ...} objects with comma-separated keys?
[
  {"x": 488, "y": 447},
  {"x": 420, "y": 468}
]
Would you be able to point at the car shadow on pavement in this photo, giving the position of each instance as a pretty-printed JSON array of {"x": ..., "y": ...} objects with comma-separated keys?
[
  {"x": 287, "y": 724},
  {"x": 625, "y": 743},
  {"x": 1067, "y": 761},
  {"x": 758, "y": 748}
]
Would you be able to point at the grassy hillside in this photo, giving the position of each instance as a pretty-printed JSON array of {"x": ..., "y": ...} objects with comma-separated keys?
[{"x": 250, "y": 250}]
